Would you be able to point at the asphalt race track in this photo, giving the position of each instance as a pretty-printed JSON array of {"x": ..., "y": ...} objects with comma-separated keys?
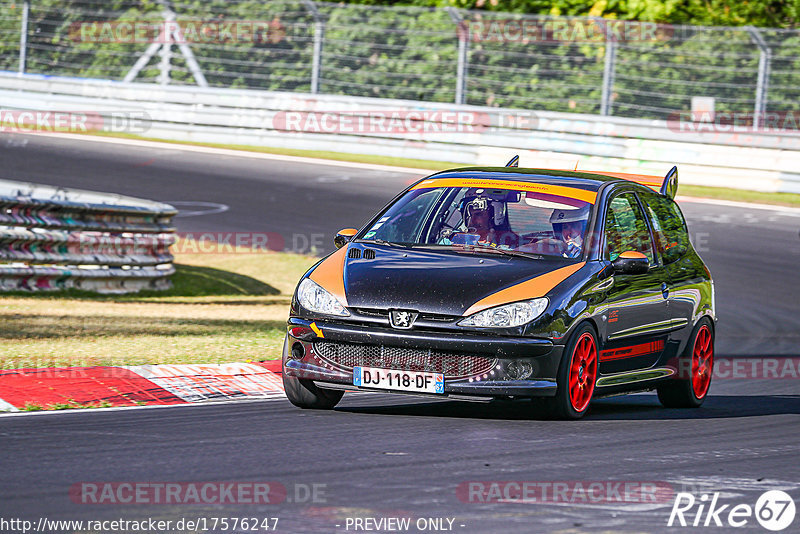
[{"x": 384, "y": 456}]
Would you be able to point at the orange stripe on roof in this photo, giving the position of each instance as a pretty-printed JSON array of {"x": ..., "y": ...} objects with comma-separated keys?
[
  {"x": 330, "y": 274},
  {"x": 653, "y": 182},
  {"x": 529, "y": 289},
  {"x": 560, "y": 190}
]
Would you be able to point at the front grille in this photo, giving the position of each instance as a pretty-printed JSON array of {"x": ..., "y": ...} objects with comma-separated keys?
[
  {"x": 436, "y": 317},
  {"x": 451, "y": 364},
  {"x": 354, "y": 253},
  {"x": 369, "y": 254},
  {"x": 372, "y": 313}
]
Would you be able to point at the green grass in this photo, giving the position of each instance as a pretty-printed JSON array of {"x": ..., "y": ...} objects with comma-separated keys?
[
  {"x": 721, "y": 193},
  {"x": 69, "y": 405},
  {"x": 222, "y": 308}
]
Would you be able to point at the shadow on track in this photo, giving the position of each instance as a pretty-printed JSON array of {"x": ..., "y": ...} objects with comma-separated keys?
[
  {"x": 638, "y": 408},
  {"x": 188, "y": 281}
]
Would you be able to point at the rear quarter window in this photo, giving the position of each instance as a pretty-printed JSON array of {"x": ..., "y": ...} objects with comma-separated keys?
[
  {"x": 626, "y": 228},
  {"x": 669, "y": 227}
]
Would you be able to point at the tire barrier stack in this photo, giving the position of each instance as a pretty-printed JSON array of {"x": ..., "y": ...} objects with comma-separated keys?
[{"x": 54, "y": 239}]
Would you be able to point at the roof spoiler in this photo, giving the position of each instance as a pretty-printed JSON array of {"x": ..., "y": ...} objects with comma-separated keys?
[{"x": 670, "y": 185}]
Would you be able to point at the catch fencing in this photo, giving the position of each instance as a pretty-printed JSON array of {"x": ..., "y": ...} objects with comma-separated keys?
[
  {"x": 443, "y": 55},
  {"x": 55, "y": 239}
]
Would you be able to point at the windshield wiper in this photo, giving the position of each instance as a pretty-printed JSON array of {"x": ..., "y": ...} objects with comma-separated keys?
[
  {"x": 506, "y": 252},
  {"x": 384, "y": 242}
]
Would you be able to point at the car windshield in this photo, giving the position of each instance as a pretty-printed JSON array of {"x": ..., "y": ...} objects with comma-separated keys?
[{"x": 523, "y": 217}]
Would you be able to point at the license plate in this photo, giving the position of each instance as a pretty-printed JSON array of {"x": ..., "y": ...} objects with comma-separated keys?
[{"x": 370, "y": 377}]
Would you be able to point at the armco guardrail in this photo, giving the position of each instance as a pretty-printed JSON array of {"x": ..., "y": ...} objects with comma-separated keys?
[
  {"x": 437, "y": 54},
  {"x": 711, "y": 155},
  {"x": 53, "y": 239}
]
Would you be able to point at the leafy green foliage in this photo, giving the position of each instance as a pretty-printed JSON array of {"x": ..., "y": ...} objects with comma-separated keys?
[
  {"x": 412, "y": 52},
  {"x": 765, "y": 13}
]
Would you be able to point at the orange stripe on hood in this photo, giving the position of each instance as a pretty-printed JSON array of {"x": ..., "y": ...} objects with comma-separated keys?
[
  {"x": 330, "y": 274},
  {"x": 529, "y": 289}
]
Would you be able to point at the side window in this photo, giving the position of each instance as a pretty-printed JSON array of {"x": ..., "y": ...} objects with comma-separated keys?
[
  {"x": 672, "y": 238},
  {"x": 626, "y": 228}
]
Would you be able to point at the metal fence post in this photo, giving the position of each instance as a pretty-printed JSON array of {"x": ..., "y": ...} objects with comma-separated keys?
[
  {"x": 608, "y": 76},
  {"x": 23, "y": 36},
  {"x": 142, "y": 62},
  {"x": 762, "y": 83},
  {"x": 319, "y": 36},
  {"x": 186, "y": 51},
  {"x": 462, "y": 32},
  {"x": 165, "y": 65}
]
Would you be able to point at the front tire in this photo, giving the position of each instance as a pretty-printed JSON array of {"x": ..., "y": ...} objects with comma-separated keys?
[
  {"x": 303, "y": 393},
  {"x": 698, "y": 361},
  {"x": 577, "y": 375}
]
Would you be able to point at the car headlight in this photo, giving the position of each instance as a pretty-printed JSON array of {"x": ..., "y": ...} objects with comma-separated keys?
[
  {"x": 508, "y": 315},
  {"x": 314, "y": 298}
]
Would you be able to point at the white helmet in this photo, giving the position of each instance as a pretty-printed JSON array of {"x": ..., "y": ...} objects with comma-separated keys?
[{"x": 560, "y": 216}]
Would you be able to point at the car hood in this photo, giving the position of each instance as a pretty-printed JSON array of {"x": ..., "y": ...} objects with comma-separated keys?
[{"x": 440, "y": 281}]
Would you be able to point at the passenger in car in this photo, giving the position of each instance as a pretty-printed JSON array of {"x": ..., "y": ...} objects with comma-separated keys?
[{"x": 569, "y": 226}]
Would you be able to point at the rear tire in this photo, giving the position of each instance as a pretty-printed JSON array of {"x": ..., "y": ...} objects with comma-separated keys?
[
  {"x": 577, "y": 375},
  {"x": 698, "y": 362},
  {"x": 303, "y": 393}
]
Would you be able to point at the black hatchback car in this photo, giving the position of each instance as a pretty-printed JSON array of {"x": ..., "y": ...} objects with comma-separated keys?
[{"x": 509, "y": 283}]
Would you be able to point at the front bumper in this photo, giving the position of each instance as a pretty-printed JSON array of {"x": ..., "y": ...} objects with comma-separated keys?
[{"x": 505, "y": 354}]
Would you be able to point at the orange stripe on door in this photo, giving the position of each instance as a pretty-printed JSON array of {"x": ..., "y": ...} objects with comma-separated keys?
[
  {"x": 529, "y": 289},
  {"x": 330, "y": 274}
]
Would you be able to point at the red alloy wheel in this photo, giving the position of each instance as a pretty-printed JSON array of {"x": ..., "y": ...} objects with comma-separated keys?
[
  {"x": 702, "y": 362},
  {"x": 583, "y": 372}
]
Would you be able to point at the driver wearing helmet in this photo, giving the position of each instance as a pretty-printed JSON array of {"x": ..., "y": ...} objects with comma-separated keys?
[
  {"x": 480, "y": 219},
  {"x": 569, "y": 227},
  {"x": 478, "y": 216}
]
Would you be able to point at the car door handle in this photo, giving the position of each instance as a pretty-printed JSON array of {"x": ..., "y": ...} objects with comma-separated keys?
[{"x": 664, "y": 289}]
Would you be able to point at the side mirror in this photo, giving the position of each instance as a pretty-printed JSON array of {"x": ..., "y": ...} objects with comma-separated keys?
[
  {"x": 344, "y": 236},
  {"x": 631, "y": 262}
]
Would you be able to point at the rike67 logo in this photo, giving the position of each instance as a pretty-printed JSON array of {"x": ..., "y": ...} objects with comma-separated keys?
[{"x": 774, "y": 510}]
